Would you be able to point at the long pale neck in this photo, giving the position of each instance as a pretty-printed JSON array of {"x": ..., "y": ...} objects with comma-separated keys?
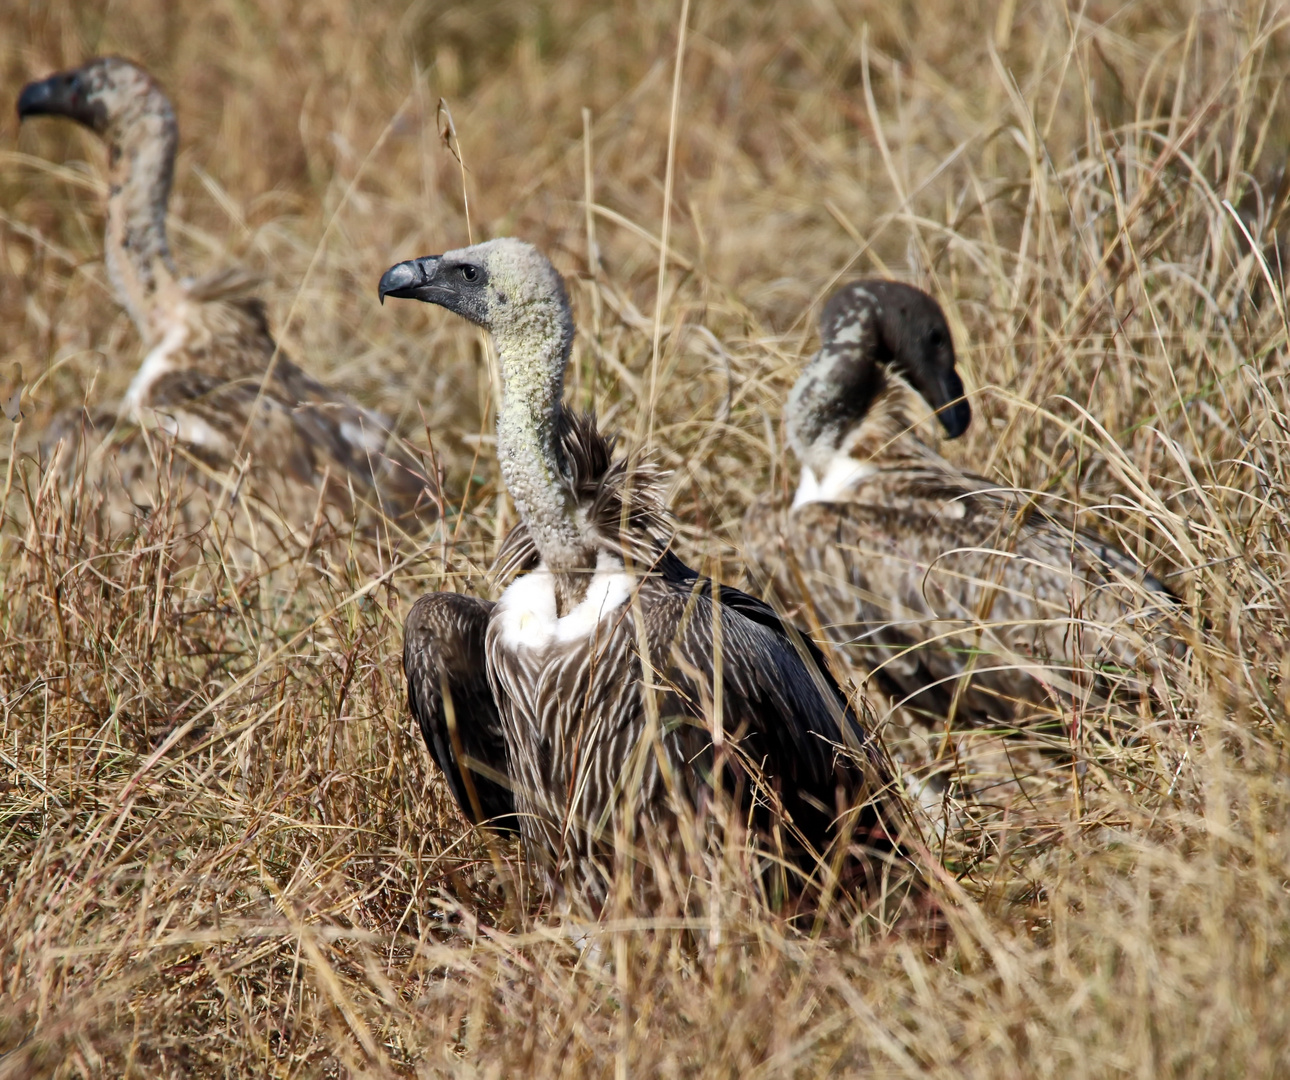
[
  {"x": 528, "y": 448},
  {"x": 141, "y": 164},
  {"x": 847, "y": 405}
]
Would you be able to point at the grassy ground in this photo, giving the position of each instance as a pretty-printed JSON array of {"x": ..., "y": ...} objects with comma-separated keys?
[{"x": 222, "y": 848}]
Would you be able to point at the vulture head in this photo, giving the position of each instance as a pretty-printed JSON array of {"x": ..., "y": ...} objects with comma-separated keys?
[
  {"x": 510, "y": 289},
  {"x": 869, "y": 331},
  {"x": 110, "y": 96},
  {"x": 506, "y": 286}
]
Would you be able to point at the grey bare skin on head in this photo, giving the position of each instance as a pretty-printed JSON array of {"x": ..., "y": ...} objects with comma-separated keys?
[
  {"x": 562, "y": 645},
  {"x": 877, "y": 337},
  {"x": 515, "y": 294}
]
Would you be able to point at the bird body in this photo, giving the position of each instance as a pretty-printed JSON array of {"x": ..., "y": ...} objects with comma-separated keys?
[
  {"x": 629, "y": 689},
  {"x": 968, "y": 601},
  {"x": 214, "y": 394}
]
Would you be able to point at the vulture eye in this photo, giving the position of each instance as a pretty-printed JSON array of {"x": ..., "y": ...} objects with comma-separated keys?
[{"x": 469, "y": 273}]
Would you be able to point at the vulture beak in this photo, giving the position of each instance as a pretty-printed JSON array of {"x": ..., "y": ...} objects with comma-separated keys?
[
  {"x": 43, "y": 97},
  {"x": 412, "y": 280},
  {"x": 60, "y": 95},
  {"x": 956, "y": 417}
]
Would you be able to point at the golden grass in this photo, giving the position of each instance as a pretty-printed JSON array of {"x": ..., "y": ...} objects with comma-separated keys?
[{"x": 222, "y": 848}]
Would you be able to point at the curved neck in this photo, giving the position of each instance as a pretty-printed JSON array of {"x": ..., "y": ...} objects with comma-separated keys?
[
  {"x": 847, "y": 403},
  {"x": 533, "y": 359},
  {"x": 141, "y": 164}
]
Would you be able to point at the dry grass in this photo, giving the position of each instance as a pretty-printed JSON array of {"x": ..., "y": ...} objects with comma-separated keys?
[{"x": 222, "y": 848}]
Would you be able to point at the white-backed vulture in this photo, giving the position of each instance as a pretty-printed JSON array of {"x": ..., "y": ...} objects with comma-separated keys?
[
  {"x": 600, "y": 607},
  {"x": 970, "y": 602},
  {"x": 214, "y": 399}
]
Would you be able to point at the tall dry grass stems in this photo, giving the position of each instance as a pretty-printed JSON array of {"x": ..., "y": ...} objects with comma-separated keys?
[{"x": 222, "y": 848}]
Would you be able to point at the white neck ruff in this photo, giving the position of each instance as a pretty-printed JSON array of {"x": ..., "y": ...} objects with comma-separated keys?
[
  {"x": 527, "y": 609},
  {"x": 841, "y": 477}
]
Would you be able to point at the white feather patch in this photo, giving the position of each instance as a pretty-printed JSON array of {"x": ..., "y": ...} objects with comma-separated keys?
[
  {"x": 527, "y": 609},
  {"x": 190, "y": 429},
  {"x": 367, "y": 437},
  {"x": 840, "y": 478},
  {"x": 158, "y": 362},
  {"x": 851, "y": 333}
]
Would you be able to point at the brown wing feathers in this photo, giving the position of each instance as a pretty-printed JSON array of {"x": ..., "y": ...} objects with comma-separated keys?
[{"x": 448, "y": 693}]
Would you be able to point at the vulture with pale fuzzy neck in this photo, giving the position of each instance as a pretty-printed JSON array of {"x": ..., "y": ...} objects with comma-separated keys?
[
  {"x": 214, "y": 401},
  {"x": 610, "y": 686}
]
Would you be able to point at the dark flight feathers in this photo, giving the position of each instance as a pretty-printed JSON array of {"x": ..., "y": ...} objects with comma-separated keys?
[{"x": 443, "y": 651}]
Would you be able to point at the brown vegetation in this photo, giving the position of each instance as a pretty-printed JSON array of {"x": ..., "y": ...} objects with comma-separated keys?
[{"x": 223, "y": 850}]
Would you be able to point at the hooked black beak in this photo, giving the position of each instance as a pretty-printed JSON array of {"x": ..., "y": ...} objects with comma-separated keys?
[
  {"x": 410, "y": 280},
  {"x": 60, "y": 95},
  {"x": 43, "y": 97},
  {"x": 957, "y": 414}
]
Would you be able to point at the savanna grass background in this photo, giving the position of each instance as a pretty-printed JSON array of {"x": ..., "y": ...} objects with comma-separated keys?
[{"x": 223, "y": 851}]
